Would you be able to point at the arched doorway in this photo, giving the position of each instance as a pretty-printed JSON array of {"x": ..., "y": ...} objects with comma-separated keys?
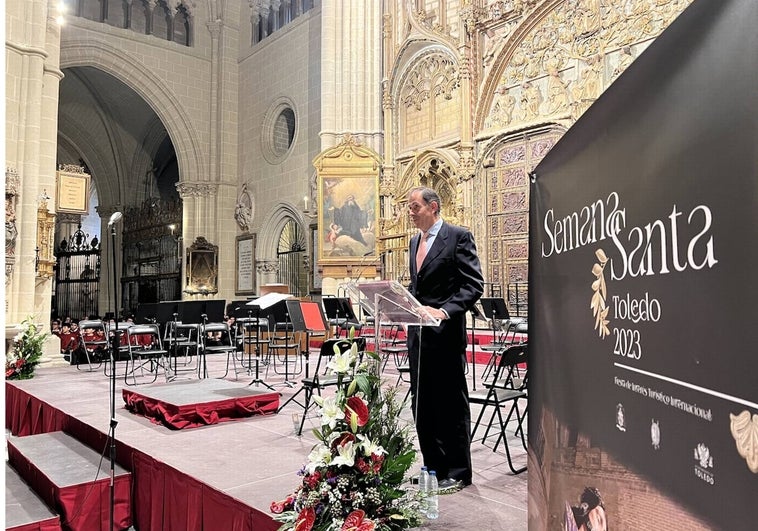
[{"x": 109, "y": 129}]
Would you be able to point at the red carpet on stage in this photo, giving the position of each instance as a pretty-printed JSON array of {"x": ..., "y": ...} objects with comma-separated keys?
[
  {"x": 162, "y": 496},
  {"x": 63, "y": 472},
  {"x": 193, "y": 403}
]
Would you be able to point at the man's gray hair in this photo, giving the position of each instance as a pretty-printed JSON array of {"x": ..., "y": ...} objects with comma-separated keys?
[{"x": 428, "y": 196}]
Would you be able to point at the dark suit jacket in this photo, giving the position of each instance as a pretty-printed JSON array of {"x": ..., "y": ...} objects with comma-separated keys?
[{"x": 450, "y": 278}]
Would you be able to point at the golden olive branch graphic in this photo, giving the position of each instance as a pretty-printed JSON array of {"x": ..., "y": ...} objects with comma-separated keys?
[{"x": 597, "y": 304}]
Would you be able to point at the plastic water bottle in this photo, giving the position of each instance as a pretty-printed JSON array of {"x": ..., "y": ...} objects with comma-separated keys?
[
  {"x": 423, "y": 487},
  {"x": 432, "y": 499}
]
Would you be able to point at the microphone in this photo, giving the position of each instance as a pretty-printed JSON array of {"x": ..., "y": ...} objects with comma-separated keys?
[
  {"x": 115, "y": 218},
  {"x": 364, "y": 263}
]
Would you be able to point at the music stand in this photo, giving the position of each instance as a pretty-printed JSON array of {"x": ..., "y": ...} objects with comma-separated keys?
[
  {"x": 243, "y": 311},
  {"x": 495, "y": 310},
  {"x": 307, "y": 317},
  {"x": 276, "y": 313}
]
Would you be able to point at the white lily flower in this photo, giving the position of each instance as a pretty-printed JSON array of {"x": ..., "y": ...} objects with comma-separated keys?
[
  {"x": 330, "y": 412},
  {"x": 346, "y": 454},
  {"x": 341, "y": 363},
  {"x": 319, "y": 457},
  {"x": 369, "y": 447}
]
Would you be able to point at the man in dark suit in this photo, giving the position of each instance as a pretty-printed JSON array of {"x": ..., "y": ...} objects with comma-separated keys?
[{"x": 447, "y": 279}]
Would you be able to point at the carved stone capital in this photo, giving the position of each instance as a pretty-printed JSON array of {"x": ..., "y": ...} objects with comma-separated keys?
[
  {"x": 214, "y": 27},
  {"x": 267, "y": 266},
  {"x": 107, "y": 211},
  {"x": 196, "y": 189}
]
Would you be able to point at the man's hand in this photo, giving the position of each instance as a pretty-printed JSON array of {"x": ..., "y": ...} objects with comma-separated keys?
[{"x": 436, "y": 313}]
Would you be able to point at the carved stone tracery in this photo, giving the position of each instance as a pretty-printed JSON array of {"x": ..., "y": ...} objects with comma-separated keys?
[{"x": 434, "y": 75}]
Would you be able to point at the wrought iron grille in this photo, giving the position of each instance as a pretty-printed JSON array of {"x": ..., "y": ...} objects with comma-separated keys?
[{"x": 291, "y": 254}]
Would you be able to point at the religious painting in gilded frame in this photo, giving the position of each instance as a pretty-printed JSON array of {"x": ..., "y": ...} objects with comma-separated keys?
[{"x": 348, "y": 201}]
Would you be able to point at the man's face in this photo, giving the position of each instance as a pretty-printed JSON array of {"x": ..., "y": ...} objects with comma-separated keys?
[{"x": 422, "y": 213}]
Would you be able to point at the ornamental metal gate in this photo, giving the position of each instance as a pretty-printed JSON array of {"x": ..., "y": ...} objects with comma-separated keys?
[
  {"x": 77, "y": 277},
  {"x": 291, "y": 254}
]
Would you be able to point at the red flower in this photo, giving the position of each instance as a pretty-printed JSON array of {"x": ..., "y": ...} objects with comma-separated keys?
[
  {"x": 280, "y": 507},
  {"x": 357, "y": 521},
  {"x": 376, "y": 462},
  {"x": 343, "y": 440},
  {"x": 362, "y": 465},
  {"x": 312, "y": 480},
  {"x": 356, "y": 406},
  {"x": 305, "y": 519}
]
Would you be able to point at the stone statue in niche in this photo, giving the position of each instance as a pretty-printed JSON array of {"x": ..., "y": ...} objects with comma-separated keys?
[{"x": 243, "y": 212}]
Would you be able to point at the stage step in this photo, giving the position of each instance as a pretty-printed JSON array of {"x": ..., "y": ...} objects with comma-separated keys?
[
  {"x": 72, "y": 479},
  {"x": 23, "y": 508}
]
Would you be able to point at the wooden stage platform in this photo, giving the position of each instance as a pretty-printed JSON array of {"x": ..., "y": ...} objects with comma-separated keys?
[{"x": 237, "y": 467}]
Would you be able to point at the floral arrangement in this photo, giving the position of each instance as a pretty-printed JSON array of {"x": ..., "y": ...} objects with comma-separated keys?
[
  {"x": 353, "y": 480},
  {"x": 24, "y": 357}
]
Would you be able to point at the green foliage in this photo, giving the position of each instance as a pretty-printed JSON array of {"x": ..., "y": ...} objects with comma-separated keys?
[
  {"x": 354, "y": 477},
  {"x": 27, "y": 349}
]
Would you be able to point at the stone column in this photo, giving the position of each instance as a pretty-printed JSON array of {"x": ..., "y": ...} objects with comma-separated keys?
[
  {"x": 32, "y": 78},
  {"x": 351, "y": 73}
]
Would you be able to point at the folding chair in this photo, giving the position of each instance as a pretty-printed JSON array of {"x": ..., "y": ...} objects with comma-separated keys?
[
  {"x": 181, "y": 338},
  {"x": 507, "y": 387},
  {"x": 145, "y": 349},
  {"x": 392, "y": 345},
  {"x": 92, "y": 344},
  {"x": 217, "y": 338},
  {"x": 512, "y": 332},
  {"x": 318, "y": 382}
]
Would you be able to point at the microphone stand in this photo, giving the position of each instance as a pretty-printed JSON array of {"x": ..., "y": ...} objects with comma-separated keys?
[{"x": 115, "y": 344}]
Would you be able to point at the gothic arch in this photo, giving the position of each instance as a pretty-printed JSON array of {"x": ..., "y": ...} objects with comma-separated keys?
[
  {"x": 434, "y": 169},
  {"x": 445, "y": 80},
  {"x": 490, "y": 85},
  {"x": 273, "y": 226},
  {"x": 104, "y": 56}
]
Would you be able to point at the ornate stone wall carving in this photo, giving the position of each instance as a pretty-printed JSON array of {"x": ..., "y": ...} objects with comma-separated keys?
[
  {"x": 12, "y": 184},
  {"x": 196, "y": 189},
  {"x": 434, "y": 75},
  {"x": 566, "y": 57},
  {"x": 428, "y": 101}
]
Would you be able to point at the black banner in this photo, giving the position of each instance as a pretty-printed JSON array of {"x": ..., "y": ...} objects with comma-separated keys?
[{"x": 643, "y": 318}]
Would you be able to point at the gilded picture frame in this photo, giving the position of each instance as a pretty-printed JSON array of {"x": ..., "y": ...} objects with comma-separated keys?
[
  {"x": 72, "y": 194},
  {"x": 348, "y": 217},
  {"x": 202, "y": 268}
]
